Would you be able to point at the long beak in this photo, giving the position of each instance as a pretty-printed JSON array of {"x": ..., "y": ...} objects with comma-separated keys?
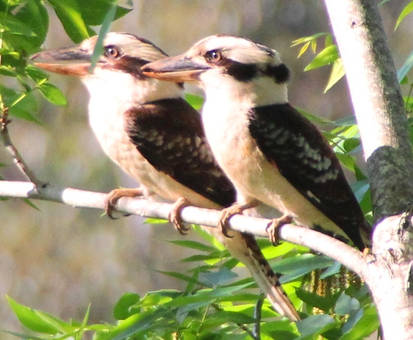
[
  {"x": 177, "y": 69},
  {"x": 69, "y": 61}
]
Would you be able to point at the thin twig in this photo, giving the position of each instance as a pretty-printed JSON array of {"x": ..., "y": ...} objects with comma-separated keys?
[{"x": 9, "y": 146}]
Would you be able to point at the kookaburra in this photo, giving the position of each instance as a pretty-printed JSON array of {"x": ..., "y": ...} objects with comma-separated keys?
[
  {"x": 271, "y": 153},
  {"x": 147, "y": 128}
]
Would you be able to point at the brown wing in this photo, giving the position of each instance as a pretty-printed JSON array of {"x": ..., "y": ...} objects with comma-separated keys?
[
  {"x": 304, "y": 157},
  {"x": 169, "y": 134}
]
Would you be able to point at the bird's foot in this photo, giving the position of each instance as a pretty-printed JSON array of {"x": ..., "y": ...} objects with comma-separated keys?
[
  {"x": 174, "y": 215},
  {"x": 274, "y": 225},
  {"x": 227, "y": 213},
  {"x": 113, "y": 197}
]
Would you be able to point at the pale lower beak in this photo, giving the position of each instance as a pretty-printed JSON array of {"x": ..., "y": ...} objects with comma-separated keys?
[
  {"x": 68, "y": 61},
  {"x": 177, "y": 69}
]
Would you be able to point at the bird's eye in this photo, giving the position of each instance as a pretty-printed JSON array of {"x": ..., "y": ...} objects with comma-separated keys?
[
  {"x": 213, "y": 56},
  {"x": 112, "y": 52}
]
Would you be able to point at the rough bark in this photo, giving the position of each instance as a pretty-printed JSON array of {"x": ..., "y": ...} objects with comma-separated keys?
[{"x": 382, "y": 122}]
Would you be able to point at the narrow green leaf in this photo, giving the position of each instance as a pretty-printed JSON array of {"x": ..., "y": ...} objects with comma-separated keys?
[
  {"x": 151, "y": 220},
  {"x": 53, "y": 94},
  {"x": 337, "y": 72},
  {"x": 13, "y": 25},
  {"x": 181, "y": 276},
  {"x": 326, "y": 57},
  {"x": 402, "y": 71},
  {"x": 107, "y": 21},
  {"x": 122, "y": 309},
  {"x": 193, "y": 245},
  {"x": 405, "y": 12},
  {"x": 36, "y": 320},
  {"x": 195, "y": 101},
  {"x": 304, "y": 48},
  {"x": 70, "y": 16},
  {"x": 303, "y": 40}
]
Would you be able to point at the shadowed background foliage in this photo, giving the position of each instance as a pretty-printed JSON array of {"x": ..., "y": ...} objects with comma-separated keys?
[{"x": 58, "y": 258}]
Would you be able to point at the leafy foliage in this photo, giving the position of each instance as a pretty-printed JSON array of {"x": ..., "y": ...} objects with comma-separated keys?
[{"x": 217, "y": 304}]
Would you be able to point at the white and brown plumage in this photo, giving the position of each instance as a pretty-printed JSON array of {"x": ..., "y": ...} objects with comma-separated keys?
[
  {"x": 270, "y": 152},
  {"x": 146, "y": 128}
]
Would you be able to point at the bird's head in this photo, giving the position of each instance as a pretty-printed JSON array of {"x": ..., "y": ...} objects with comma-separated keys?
[
  {"x": 223, "y": 62},
  {"x": 119, "y": 66}
]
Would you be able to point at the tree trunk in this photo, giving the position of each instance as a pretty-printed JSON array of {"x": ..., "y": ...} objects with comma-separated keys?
[{"x": 382, "y": 122}]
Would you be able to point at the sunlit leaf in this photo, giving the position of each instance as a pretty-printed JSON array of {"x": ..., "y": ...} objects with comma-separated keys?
[
  {"x": 326, "y": 57},
  {"x": 195, "y": 101},
  {"x": 53, "y": 94},
  {"x": 337, "y": 72},
  {"x": 94, "y": 11},
  {"x": 36, "y": 320},
  {"x": 122, "y": 308},
  {"x": 405, "y": 12},
  {"x": 70, "y": 16}
]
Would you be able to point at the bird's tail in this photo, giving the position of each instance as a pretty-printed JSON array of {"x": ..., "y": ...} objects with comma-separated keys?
[{"x": 245, "y": 249}]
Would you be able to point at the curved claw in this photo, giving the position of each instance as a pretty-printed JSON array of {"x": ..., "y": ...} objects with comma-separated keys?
[
  {"x": 174, "y": 215},
  {"x": 274, "y": 225},
  {"x": 113, "y": 197},
  {"x": 226, "y": 214},
  {"x": 234, "y": 209}
]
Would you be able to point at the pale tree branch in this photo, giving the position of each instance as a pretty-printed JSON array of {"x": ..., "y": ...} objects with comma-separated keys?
[
  {"x": 379, "y": 109},
  {"x": 337, "y": 250}
]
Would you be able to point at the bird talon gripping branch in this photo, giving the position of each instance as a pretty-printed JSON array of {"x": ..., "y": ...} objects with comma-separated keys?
[
  {"x": 115, "y": 195},
  {"x": 273, "y": 227},
  {"x": 174, "y": 215}
]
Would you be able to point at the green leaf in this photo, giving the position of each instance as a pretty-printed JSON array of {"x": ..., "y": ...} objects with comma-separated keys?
[
  {"x": 195, "y": 101},
  {"x": 217, "y": 278},
  {"x": 36, "y": 74},
  {"x": 13, "y": 25},
  {"x": 315, "y": 325},
  {"x": 122, "y": 309},
  {"x": 98, "y": 50},
  {"x": 193, "y": 245},
  {"x": 326, "y": 57},
  {"x": 402, "y": 71},
  {"x": 313, "y": 118},
  {"x": 297, "y": 266},
  {"x": 69, "y": 14},
  {"x": 324, "y": 303},
  {"x": 21, "y": 105},
  {"x": 405, "y": 12},
  {"x": 361, "y": 324},
  {"x": 94, "y": 11},
  {"x": 151, "y": 220},
  {"x": 53, "y": 94},
  {"x": 337, "y": 72},
  {"x": 36, "y": 320},
  {"x": 346, "y": 305}
]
